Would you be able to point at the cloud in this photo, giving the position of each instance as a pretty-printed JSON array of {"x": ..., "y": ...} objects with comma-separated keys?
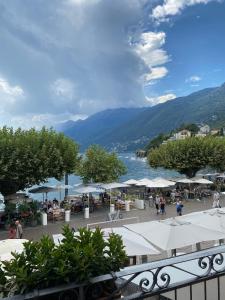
[
  {"x": 63, "y": 91},
  {"x": 11, "y": 96},
  {"x": 160, "y": 99},
  {"x": 193, "y": 78},
  {"x": 149, "y": 49},
  {"x": 173, "y": 7}
]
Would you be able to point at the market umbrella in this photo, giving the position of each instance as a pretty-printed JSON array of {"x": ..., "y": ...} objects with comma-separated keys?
[
  {"x": 144, "y": 182},
  {"x": 10, "y": 245},
  {"x": 174, "y": 233},
  {"x": 60, "y": 187},
  {"x": 134, "y": 243},
  {"x": 42, "y": 190},
  {"x": 185, "y": 180},
  {"x": 131, "y": 182},
  {"x": 113, "y": 185},
  {"x": 87, "y": 190},
  {"x": 202, "y": 181},
  {"x": 164, "y": 181}
]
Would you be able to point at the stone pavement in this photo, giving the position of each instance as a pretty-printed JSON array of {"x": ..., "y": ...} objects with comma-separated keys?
[{"x": 100, "y": 215}]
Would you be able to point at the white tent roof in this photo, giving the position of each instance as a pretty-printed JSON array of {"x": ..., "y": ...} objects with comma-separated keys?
[
  {"x": 131, "y": 182},
  {"x": 113, "y": 185},
  {"x": 11, "y": 245},
  {"x": 221, "y": 176},
  {"x": 134, "y": 243},
  {"x": 164, "y": 181},
  {"x": 144, "y": 182},
  {"x": 213, "y": 219},
  {"x": 174, "y": 233},
  {"x": 88, "y": 189},
  {"x": 202, "y": 181},
  {"x": 184, "y": 180}
]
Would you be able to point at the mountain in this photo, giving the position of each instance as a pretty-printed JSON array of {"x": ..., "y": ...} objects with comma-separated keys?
[
  {"x": 95, "y": 129},
  {"x": 131, "y": 128}
]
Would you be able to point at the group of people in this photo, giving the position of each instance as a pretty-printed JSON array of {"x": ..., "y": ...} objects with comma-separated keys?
[
  {"x": 16, "y": 230},
  {"x": 160, "y": 204},
  {"x": 48, "y": 205}
]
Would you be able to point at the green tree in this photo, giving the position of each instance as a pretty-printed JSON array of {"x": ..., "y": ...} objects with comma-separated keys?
[
  {"x": 29, "y": 157},
  {"x": 97, "y": 165},
  {"x": 189, "y": 156}
]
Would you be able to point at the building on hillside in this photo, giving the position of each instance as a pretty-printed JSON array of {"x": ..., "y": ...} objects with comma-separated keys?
[
  {"x": 204, "y": 129},
  {"x": 214, "y": 131},
  {"x": 183, "y": 134},
  {"x": 199, "y": 134}
]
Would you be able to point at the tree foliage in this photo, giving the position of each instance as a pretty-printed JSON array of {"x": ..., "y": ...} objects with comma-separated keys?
[
  {"x": 190, "y": 155},
  {"x": 29, "y": 157},
  {"x": 76, "y": 259},
  {"x": 98, "y": 165}
]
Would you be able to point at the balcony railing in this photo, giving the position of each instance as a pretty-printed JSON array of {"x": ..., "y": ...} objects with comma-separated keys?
[{"x": 164, "y": 277}]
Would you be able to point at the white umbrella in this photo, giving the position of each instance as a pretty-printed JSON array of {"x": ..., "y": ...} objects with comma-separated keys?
[
  {"x": 185, "y": 180},
  {"x": 60, "y": 187},
  {"x": 213, "y": 219},
  {"x": 131, "y": 182},
  {"x": 11, "y": 245},
  {"x": 88, "y": 189},
  {"x": 164, "y": 181},
  {"x": 113, "y": 185},
  {"x": 202, "y": 181},
  {"x": 134, "y": 243},
  {"x": 144, "y": 182},
  {"x": 174, "y": 233}
]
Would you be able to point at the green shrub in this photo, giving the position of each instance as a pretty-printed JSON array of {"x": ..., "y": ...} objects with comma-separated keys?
[{"x": 76, "y": 259}]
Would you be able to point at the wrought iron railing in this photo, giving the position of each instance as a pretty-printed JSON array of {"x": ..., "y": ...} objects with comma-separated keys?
[{"x": 147, "y": 280}]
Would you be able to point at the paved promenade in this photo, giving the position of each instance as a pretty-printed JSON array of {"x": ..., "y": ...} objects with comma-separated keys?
[{"x": 100, "y": 215}]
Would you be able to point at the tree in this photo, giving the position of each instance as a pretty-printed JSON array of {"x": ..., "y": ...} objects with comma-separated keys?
[
  {"x": 97, "y": 165},
  {"x": 29, "y": 157},
  {"x": 190, "y": 155}
]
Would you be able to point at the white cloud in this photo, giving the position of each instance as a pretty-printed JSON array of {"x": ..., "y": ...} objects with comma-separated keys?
[
  {"x": 12, "y": 97},
  {"x": 156, "y": 73},
  {"x": 63, "y": 90},
  {"x": 160, "y": 99},
  {"x": 194, "y": 78},
  {"x": 173, "y": 7},
  {"x": 149, "y": 50}
]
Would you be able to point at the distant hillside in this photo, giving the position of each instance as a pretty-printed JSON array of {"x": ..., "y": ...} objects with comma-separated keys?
[
  {"x": 97, "y": 127},
  {"x": 130, "y": 129}
]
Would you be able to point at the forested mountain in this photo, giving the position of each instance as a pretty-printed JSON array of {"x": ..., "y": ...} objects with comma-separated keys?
[{"x": 130, "y": 128}]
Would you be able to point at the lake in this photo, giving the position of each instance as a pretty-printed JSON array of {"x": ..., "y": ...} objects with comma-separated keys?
[{"x": 137, "y": 168}]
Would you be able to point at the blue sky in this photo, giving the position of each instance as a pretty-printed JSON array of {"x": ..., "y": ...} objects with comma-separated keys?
[{"x": 67, "y": 59}]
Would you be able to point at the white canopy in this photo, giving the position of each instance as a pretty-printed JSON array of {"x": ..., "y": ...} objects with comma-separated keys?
[
  {"x": 221, "y": 176},
  {"x": 174, "y": 233},
  {"x": 144, "y": 182},
  {"x": 113, "y": 185},
  {"x": 10, "y": 245},
  {"x": 134, "y": 243},
  {"x": 202, "y": 181},
  {"x": 213, "y": 219},
  {"x": 184, "y": 180},
  {"x": 131, "y": 182},
  {"x": 164, "y": 181},
  {"x": 88, "y": 189}
]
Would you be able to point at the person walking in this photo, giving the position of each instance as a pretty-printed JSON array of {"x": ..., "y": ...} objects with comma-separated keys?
[
  {"x": 19, "y": 230},
  {"x": 157, "y": 202},
  {"x": 12, "y": 231},
  {"x": 162, "y": 205},
  {"x": 179, "y": 207}
]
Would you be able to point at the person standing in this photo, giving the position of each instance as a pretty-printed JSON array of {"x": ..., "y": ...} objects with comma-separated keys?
[
  {"x": 157, "y": 203},
  {"x": 19, "y": 230},
  {"x": 162, "y": 205},
  {"x": 12, "y": 231},
  {"x": 179, "y": 207}
]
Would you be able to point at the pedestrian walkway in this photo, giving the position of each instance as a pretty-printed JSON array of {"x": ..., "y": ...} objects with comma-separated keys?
[{"x": 77, "y": 221}]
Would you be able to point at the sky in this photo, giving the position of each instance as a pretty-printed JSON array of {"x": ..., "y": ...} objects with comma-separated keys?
[{"x": 67, "y": 59}]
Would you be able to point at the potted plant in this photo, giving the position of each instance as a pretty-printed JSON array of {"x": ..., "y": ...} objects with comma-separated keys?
[
  {"x": 67, "y": 208},
  {"x": 77, "y": 258}
]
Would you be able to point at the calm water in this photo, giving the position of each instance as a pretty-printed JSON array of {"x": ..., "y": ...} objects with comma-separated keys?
[{"x": 137, "y": 168}]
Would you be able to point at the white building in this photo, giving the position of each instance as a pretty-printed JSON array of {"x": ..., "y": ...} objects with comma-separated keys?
[
  {"x": 183, "y": 134},
  {"x": 204, "y": 129}
]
